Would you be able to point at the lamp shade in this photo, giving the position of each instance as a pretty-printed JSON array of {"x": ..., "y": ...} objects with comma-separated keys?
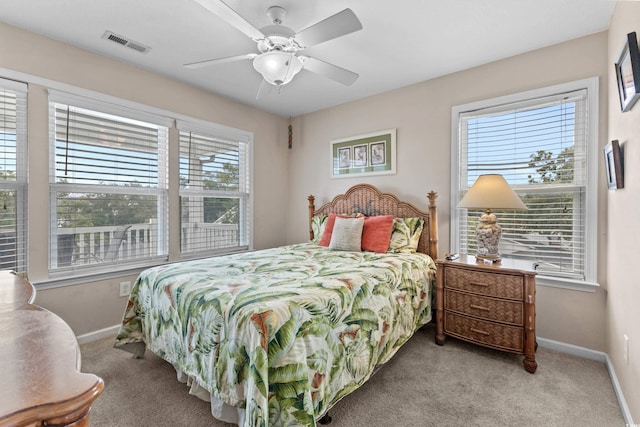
[
  {"x": 491, "y": 192},
  {"x": 277, "y": 67}
]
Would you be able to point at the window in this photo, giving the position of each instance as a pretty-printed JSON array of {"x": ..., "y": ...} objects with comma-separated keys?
[
  {"x": 13, "y": 182},
  {"x": 544, "y": 143},
  {"x": 215, "y": 203},
  {"x": 108, "y": 186}
]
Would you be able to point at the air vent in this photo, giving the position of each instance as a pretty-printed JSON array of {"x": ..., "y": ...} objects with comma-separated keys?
[{"x": 121, "y": 40}]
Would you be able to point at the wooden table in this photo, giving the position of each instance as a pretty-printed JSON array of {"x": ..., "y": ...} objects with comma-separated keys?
[{"x": 40, "y": 379}]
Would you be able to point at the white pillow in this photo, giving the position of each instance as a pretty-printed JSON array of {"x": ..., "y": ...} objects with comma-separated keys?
[{"x": 347, "y": 234}]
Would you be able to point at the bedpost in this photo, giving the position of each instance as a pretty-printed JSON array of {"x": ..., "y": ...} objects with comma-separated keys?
[
  {"x": 312, "y": 209},
  {"x": 433, "y": 225}
]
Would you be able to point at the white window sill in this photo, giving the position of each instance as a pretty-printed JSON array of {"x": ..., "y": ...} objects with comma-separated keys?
[{"x": 572, "y": 284}]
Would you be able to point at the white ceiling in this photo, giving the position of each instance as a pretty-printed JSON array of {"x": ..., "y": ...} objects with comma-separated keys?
[{"x": 402, "y": 42}]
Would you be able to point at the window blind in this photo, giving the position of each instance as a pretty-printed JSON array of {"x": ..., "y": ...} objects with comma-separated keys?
[
  {"x": 214, "y": 192},
  {"x": 540, "y": 147},
  {"x": 13, "y": 183},
  {"x": 108, "y": 189}
]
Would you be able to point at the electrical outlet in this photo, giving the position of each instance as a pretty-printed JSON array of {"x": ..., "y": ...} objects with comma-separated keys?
[
  {"x": 626, "y": 348},
  {"x": 125, "y": 289}
]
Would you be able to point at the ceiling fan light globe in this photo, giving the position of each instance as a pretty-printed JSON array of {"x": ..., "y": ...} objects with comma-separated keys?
[{"x": 277, "y": 68}]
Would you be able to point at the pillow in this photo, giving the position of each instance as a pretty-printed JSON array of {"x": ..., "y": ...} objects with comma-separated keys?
[
  {"x": 405, "y": 235},
  {"x": 347, "y": 234},
  {"x": 376, "y": 233},
  {"x": 318, "y": 223},
  {"x": 328, "y": 227}
]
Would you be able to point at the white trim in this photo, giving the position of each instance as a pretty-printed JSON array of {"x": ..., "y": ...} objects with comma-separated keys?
[
  {"x": 598, "y": 356},
  {"x": 626, "y": 412},
  {"x": 574, "y": 350},
  {"x": 111, "y": 331},
  {"x": 214, "y": 130},
  {"x": 20, "y": 185},
  {"x": 591, "y": 205},
  {"x": 120, "y": 108},
  {"x": 84, "y": 277},
  {"x": 574, "y": 285}
]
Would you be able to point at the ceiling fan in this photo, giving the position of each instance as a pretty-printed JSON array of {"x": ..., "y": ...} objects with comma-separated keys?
[{"x": 278, "y": 61}]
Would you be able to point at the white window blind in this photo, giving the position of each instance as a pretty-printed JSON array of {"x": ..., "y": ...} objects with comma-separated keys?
[
  {"x": 108, "y": 189},
  {"x": 540, "y": 146},
  {"x": 215, "y": 202},
  {"x": 13, "y": 182}
]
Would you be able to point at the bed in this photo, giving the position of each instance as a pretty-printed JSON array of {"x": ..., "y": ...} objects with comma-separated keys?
[{"x": 278, "y": 336}]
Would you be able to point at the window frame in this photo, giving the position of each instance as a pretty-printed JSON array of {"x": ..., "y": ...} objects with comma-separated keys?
[
  {"x": 216, "y": 131},
  {"x": 591, "y": 185},
  {"x": 20, "y": 185},
  {"x": 121, "y": 109}
]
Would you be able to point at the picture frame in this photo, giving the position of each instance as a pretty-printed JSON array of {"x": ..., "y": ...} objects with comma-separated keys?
[
  {"x": 613, "y": 165},
  {"x": 369, "y": 154},
  {"x": 627, "y": 69}
]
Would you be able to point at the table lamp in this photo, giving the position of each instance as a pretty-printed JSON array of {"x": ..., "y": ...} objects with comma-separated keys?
[{"x": 490, "y": 192}]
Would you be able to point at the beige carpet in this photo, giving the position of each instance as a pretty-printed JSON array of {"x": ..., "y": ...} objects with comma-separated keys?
[{"x": 458, "y": 384}]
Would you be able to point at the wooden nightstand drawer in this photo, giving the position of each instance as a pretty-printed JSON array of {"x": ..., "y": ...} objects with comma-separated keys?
[
  {"x": 489, "y": 284},
  {"x": 504, "y": 337},
  {"x": 484, "y": 307}
]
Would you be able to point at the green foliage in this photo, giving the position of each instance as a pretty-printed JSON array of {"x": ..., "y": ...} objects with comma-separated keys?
[
  {"x": 550, "y": 169},
  {"x": 104, "y": 209},
  {"x": 224, "y": 211},
  {"x": 227, "y": 179}
]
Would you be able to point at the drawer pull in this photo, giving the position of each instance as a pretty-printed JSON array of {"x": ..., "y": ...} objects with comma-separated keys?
[
  {"x": 479, "y": 307},
  {"x": 479, "y": 284},
  {"x": 478, "y": 331}
]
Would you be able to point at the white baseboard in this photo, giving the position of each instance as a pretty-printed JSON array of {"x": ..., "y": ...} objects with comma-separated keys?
[
  {"x": 574, "y": 350},
  {"x": 111, "y": 331},
  {"x": 626, "y": 413},
  {"x": 593, "y": 355}
]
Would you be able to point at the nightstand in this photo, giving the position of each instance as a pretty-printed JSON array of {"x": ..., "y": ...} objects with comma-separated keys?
[{"x": 493, "y": 305}]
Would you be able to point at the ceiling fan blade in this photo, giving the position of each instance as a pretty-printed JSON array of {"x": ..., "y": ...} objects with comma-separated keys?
[
  {"x": 337, "y": 25},
  {"x": 231, "y": 16},
  {"x": 331, "y": 71},
  {"x": 200, "y": 64}
]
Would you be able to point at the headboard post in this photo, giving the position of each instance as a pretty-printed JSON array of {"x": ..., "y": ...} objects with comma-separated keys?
[
  {"x": 433, "y": 224},
  {"x": 312, "y": 209}
]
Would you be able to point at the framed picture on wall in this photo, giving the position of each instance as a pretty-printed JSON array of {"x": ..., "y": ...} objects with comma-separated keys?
[
  {"x": 628, "y": 73},
  {"x": 370, "y": 154},
  {"x": 613, "y": 165}
]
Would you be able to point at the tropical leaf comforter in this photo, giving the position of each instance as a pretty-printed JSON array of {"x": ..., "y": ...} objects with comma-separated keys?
[{"x": 281, "y": 333}]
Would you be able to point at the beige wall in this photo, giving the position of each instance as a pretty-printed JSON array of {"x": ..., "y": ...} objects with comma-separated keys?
[
  {"x": 623, "y": 315},
  {"x": 93, "y": 306},
  {"x": 421, "y": 113}
]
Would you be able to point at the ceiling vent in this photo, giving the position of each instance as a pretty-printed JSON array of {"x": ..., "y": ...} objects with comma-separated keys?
[{"x": 121, "y": 40}]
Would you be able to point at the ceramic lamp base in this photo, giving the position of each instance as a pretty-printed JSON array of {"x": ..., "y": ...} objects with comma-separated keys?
[{"x": 488, "y": 259}]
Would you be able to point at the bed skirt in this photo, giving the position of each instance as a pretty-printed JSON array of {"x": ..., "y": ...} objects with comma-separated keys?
[{"x": 220, "y": 410}]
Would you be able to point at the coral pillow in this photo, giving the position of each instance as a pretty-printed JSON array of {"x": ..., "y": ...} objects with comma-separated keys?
[
  {"x": 328, "y": 227},
  {"x": 376, "y": 233}
]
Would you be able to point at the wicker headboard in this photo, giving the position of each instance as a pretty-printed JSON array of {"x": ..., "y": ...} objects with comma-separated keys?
[{"x": 367, "y": 199}]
